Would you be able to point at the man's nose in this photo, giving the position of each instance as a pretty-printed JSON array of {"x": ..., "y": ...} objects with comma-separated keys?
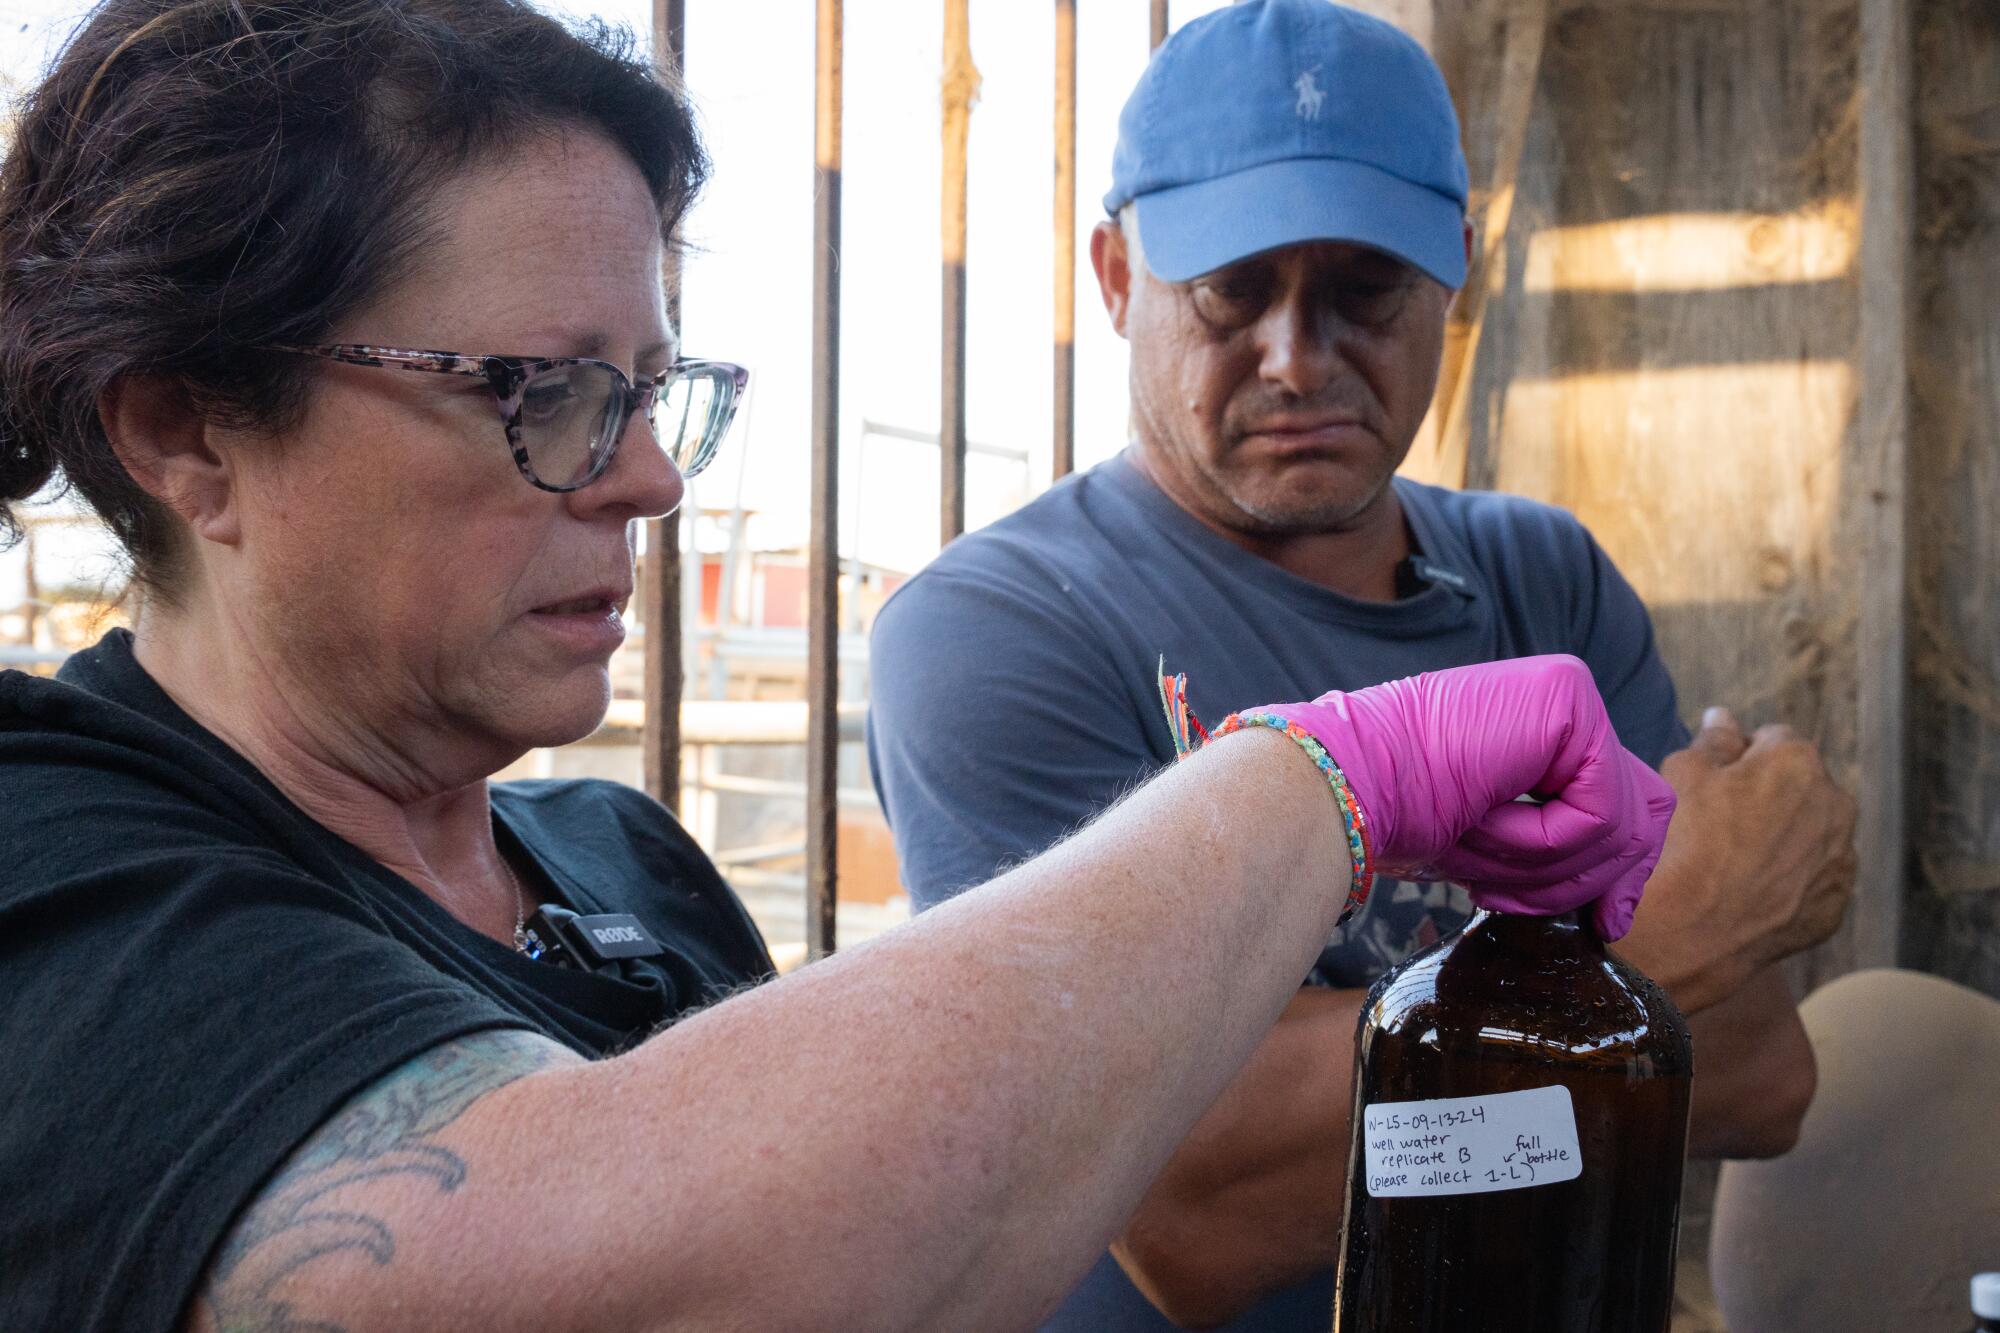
[{"x": 1298, "y": 345}]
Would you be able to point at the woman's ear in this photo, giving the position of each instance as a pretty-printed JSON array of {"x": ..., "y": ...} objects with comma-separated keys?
[{"x": 167, "y": 447}]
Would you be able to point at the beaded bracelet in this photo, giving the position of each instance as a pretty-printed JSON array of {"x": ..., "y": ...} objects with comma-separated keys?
[{"x": 1353, "y": 820}]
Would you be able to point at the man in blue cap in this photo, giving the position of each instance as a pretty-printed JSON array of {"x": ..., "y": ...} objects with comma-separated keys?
[{"x": 1288, "y": 227}]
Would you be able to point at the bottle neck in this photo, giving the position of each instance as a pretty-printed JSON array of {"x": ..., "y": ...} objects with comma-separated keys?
[
  {"x": 1522, "y": 921},
  {"x": 1563, "y": 933}
]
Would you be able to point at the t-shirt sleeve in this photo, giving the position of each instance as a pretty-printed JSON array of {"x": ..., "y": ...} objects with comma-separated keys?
[
  {"x": 1615, "y": 637},
  {"x": 996, "y": 727},
  {"x": 184, "y": 1010}
]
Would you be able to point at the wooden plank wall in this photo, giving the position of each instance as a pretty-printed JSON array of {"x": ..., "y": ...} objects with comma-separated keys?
[
  {"x": 1952, "y": 920},
  {"x": 1670, "y": 350}
]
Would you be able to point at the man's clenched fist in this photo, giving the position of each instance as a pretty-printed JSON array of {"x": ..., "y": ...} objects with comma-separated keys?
[{"x": 1759, "y": 862}]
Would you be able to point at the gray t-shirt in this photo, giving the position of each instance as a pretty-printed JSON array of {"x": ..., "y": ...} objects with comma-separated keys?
[{"x": 1014, "y": 695}]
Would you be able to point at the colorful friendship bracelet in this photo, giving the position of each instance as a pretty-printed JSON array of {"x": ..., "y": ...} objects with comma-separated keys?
[
  {"x": 1181, "y": 721},
  {"x": 1353, "y": 819}
]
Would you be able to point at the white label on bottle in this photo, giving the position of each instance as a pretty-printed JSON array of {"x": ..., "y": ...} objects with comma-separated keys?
[{"x": 1470, "y": 1145}]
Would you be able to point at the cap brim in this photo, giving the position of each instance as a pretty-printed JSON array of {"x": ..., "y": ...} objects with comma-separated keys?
[{"x": 1188, "y": 230}]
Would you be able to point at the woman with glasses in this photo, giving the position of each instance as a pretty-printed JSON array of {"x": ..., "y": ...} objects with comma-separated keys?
[{"x": 346, "y": 316}]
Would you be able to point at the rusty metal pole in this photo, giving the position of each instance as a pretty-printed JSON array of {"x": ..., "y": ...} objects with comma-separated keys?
[
  {"x": 660, "y": 582},
  {"x": 1065, "y": 238},
  {"x": 960, "y": 88},
  {"x": 1159, "y": 23},
  {"x": 823, "y": 575}
]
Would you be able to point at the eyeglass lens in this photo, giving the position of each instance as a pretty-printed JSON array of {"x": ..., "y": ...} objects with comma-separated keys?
[
  {"x": 570, "y": 418},
  {"x": 691, "y": 415}
]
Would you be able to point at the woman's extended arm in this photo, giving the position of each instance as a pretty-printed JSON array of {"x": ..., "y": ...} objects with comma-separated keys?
[
  {"x": 940, "y": 1128},
  {"x": 943, "y": 1127}
]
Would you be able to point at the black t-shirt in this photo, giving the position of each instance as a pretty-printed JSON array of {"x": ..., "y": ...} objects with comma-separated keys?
[{"x": 194, "y": 975}]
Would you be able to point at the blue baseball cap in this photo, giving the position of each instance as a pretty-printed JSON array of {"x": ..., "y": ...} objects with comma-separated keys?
[{"x": 1274, "y": 122}]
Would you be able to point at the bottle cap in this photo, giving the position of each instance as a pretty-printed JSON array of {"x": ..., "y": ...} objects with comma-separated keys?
[{"x": 1986, "y": 1295}]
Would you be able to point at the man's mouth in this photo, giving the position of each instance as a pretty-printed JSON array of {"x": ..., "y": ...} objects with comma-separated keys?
[{"x": 1287, "y": 435}]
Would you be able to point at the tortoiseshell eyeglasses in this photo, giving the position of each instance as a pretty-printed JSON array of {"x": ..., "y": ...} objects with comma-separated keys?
[{"x": 564, "y": 415}]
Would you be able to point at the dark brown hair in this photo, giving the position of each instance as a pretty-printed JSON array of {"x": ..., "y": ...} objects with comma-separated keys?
[{"x": 197, "y": 180}]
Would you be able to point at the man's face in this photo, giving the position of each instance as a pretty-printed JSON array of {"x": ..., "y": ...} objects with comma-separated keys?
[{"x": 1275, "y": 397}]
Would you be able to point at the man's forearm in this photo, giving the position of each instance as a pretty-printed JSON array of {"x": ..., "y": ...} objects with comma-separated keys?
[
  {"x": 1753, "y": 1067},
  {"x": 1753, "y": 1072},
  {"x": 1668, "y": 943}
]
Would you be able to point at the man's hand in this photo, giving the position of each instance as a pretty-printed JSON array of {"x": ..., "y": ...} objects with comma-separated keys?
[{"x": 1759, "y": 862}]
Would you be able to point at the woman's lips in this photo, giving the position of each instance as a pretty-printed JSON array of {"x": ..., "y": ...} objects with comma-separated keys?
[
  {"x": 581, "y": 606},
  {"x": 585, "y": 624}
]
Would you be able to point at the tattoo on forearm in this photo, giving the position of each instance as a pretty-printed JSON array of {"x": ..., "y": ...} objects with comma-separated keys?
[{"x": 386, "y": 1131}]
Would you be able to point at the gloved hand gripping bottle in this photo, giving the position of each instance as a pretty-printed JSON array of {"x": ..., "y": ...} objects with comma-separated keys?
[{"x": 1520, "y": 1126}]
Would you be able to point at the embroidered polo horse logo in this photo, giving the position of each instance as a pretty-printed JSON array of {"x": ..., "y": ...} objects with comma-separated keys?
[{"x": 1311, "y": 95}]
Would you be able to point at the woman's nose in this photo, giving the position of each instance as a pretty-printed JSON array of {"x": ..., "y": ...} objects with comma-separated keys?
[{"x": 641, "y": 481}]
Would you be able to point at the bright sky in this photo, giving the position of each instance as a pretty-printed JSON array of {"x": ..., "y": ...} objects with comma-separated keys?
[{"x": 748, "y": 287}]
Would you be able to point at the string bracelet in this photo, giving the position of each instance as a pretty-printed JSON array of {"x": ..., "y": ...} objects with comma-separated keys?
[
  {"x": 1353, "y": 820},
  {"x": 1180, "y": 718},
  {"x": 1183, "y": 727}
]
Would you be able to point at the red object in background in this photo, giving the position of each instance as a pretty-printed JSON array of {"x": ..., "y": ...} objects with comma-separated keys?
[
  {"x": 711, "y": 590},
  {"x": 784, "y": 597}
]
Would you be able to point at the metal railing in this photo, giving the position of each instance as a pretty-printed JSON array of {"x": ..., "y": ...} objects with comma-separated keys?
[
  {"x": 665, "y": 731},
  {"x": 664, "y": 737}
]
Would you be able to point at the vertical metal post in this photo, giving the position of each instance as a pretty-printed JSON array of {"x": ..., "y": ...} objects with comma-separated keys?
[
  {"x": 823, "y": 574},
  {"x": 1880, "y": 485},
  {"x": 1065, "y": 238},
  {"x": 660, "y": 581},
  {"x": 31, "y": 588},
  {"x": 1159, "y": 23},
  {"x": 960, "y": 87}
]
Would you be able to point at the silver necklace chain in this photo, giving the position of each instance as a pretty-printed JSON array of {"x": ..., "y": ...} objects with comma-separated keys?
[{"x": 520, "y": 906}]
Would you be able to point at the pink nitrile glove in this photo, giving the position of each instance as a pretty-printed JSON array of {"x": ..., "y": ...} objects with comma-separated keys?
[{"x": 1436, "y": 762}]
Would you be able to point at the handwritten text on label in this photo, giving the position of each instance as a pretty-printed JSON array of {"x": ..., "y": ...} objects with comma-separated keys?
[{"x": 1470, "y": 1145}]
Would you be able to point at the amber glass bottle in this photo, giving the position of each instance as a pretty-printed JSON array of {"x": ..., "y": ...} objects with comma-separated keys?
[{"x": 1520, "y": 1124}]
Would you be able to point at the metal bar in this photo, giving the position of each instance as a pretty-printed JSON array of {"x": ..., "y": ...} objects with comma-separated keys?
[
  {"x": 732, "y": 722},
  {"x": 1880, "y": 487},
  {"x": 960, "y": 87},
  {"x": 823, "y": 572},
  {"x": 662, "y": 673},
  {"x": 737, "y": 784},
  {"x": 1463, "y": 460},
  {"x": 31, "y": 589},
  {"x": 752, "y": 853},
  {"x": 1064, "y": 398},
  {"x": 61, "y": 521},
  {"x": 670, "y": 35},
  {"x": 987, "y": 447},
  {"x": 1159, "y": 23}
]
